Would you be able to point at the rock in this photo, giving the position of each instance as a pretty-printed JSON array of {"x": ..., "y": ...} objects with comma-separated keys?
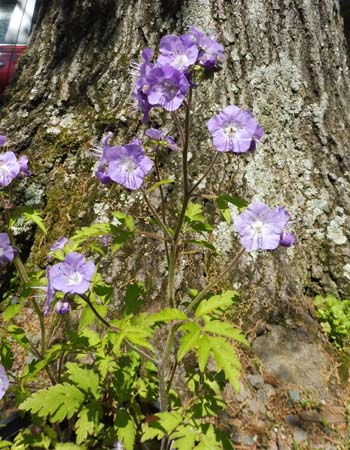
[
  {"x": 294, "y": 395},
  {"x": 290, "y": 357},
  {"x": 257, "y": 381},
  {"x": 257, "y": 407},
  {"x": 292, "y": 421},
  {"x": 244, "y": 439},
  {"x": 243, "y": 394},
  {"x": 300, "y": 435},
  {"x": 269, "y": 391}
]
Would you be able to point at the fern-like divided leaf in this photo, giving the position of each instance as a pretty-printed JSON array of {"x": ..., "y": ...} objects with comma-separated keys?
[{"x": 56, "y": 402}]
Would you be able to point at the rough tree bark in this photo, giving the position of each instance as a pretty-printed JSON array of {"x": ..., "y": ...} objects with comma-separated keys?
[{"x": 286, "y": 61}]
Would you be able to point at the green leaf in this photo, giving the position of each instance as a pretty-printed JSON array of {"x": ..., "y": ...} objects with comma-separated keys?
[
  {"x": 89, "y": 421},
  {"x": 216, "y": 302},
  {"x": 126, "y": 429},
  {"x": 6, "y": 354},
  {"x": 225, "y": 329},
  {"x": 12, "y": 310},
  {"x": 19, "y": 335},
  {"x": 203, "y": 352},
  {"x": 167, "y": 315},
  {"x": 69, "y": 446},
  {"x": 119, "y": 240},
  {"x": 226, "y": 359},
  {"x": 125, "y": 219},
  {"x": 29, "y": 215},
  {"x": 134, "y": 292},
  {"x": 57, "y": 402},
  {"x": 84, "y": 426},
  {"x": 194, "y": 213},
  {"x": 222, "y": 203},
  {"x": 189, "y": 340},
  {"x": 5, "y": 444},
  {"x": 160, "y": 183},
  {"x": 186, "y": 442},
  {"x": 86, "y": 379}
]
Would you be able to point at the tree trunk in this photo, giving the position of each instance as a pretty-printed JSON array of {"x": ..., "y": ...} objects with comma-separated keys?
[{"x": 286, "y": 61}]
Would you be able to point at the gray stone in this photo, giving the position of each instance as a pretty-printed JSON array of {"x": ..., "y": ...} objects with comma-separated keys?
[
  {"x": 291, "y": 358},
  {"x": 300, "y": 435},
  {"x": 292, "y": 421},
  {"x": 269, "y": 390},
  {"x": 294, "y": 395},
  {"x": 247, "y": 440},
  {"x": 243, "y": 394},
  {"x": 257, "y": 407},
  {"x": 256, "y": 381}
]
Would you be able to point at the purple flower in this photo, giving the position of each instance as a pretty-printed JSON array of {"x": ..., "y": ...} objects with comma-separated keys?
[
  {"x": 73, "y": 275},
  {"x": 9, "y": 168},
  {"x": 287, "y": 239},
  {"x": 4, "y": 382},
  {"x": 2, "y": 140},
  {"x": 262, "y": 228},
  {"x": 126, "y": 165},
  {"x": 161, "y": 139},
  {"x": 166, "y": 87},
  {"x": 7, "y": 252},
  {"x": 234, "y": 130},
  {"x": 141, "y": 71},
  {"x": 50, "y": 293},
  {"x": 59, "y": 244},
  {"x": 23, "y": 166},
  {"x": 178, "y": 51},
  {"x": 211, "y": 54},
  {"x": 62, "y": 307}
]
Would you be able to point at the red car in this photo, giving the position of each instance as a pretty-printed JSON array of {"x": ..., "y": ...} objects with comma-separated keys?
[{"x": 16, "y": 19}]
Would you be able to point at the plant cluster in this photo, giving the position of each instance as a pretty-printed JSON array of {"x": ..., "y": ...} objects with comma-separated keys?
[
  {"x": 334, "y": 315},
  {"x": 114, "y": 379}
]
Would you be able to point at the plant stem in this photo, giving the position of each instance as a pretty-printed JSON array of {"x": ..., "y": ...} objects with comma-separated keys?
[
  {"x": 227, "y": 269},
  {"x": 163, "y": 204},
  {"x": 157, "y": 217},
  {"x": 211, "y": 165}
]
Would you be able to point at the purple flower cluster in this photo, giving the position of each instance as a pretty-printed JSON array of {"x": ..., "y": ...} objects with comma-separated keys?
[
  {"x": 4, "y": 382},
  {"x": 234, "y": 130},
  {"x": 126, "y": 165},
  {"x": 7, "y": 252},
  {"x": 10, "y": 166},
  {"x": 72, "y": 276},
  {"x": 262, "y": 228},
  {"x": 166, "y": 82}
]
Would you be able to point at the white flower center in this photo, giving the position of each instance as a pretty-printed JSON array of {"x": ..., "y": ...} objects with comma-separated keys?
[
  {"x": 129, "y": 165},
  {"x": 4, "y": 169},
  {"x": 1, "y": 251},
  {"x": 257, "y": 227},
  {"x": 74, "y": 278},
  {"x": 230, "y": 131},
  {"x": 181, "y": 61}
]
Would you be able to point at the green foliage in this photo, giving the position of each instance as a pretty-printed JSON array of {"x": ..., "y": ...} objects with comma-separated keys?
[
  {"x": 209, "y": 335},
  {"x": 195, "y": 220},
  {"x": 28, "y": 214},
  {"x": 334, "y": 315},
  {"x": 222, "y": 202},
  {"x": 56, "y": 402}
]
